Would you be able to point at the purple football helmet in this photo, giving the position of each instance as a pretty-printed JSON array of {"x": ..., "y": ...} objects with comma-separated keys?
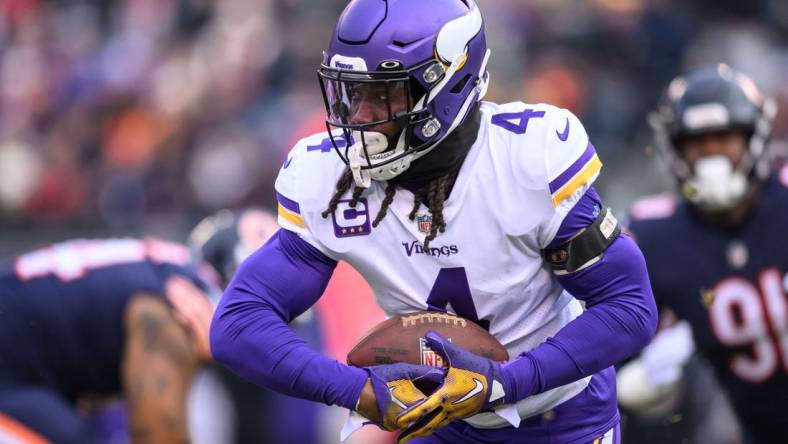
[{"x": 398, "y": 77}]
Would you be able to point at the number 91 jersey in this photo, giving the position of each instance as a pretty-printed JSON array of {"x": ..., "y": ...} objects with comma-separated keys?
[
  {"x": 731, "y": 286},
  {"x": 527, "y": 168}
]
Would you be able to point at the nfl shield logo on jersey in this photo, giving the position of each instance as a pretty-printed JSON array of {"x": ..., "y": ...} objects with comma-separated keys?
[{"x": 425, "y": 223}]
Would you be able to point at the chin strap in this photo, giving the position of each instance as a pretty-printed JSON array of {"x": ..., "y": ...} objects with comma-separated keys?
[{"x": 358, "y": 156}]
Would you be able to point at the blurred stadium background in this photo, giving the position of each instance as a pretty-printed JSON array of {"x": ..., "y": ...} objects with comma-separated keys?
[{"x": 142, "y": 116}]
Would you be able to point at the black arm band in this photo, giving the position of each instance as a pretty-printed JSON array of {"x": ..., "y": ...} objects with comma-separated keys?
[{"x": 586, "y": 247}]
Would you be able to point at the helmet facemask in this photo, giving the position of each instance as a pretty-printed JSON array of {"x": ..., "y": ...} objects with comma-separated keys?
[
  {"x": 430, "y": 86},
  {"x": 388, "y": 98},
  {"x": 714, "y": 183}
]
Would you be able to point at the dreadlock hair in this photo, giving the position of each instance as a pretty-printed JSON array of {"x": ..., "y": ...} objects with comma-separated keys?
[
  {"x": 343, "y": 184},
  {"x": 433, "y": 193}
]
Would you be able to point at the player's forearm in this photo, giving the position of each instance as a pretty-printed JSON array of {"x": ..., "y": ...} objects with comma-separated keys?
[
  {"x": 249, "y": 332},
  {"x": 620, "y": 320},
  {"x": 158, "y": 366},
  {"x": 157, "y": 406},
  {"x": 255, "y": 343}
]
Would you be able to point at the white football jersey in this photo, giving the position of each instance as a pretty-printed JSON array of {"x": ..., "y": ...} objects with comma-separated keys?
[{"x": 528, "y": 167}]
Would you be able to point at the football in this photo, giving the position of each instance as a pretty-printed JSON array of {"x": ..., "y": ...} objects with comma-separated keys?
[{"x": 401, "y": 339}]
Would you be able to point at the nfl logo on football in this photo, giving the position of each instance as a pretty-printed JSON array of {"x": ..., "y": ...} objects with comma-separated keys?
[
  {"x": 425, "y": 223},
  {"x": 429, "y": 357}
]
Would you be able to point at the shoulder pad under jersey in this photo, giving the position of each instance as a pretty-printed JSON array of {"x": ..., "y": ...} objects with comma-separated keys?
[
  {"x": 549, "y": 150},
  {"x": 305, "y": 184}
]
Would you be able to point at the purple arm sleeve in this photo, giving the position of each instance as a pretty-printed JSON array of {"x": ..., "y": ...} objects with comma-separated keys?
[
  {"x": 249, "y": 332},
  {"x": 620, "y": 316}
]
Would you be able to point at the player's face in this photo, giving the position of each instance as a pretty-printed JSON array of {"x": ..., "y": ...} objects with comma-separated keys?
[
  {"x": 374, "y": 102},
  {"x": 731, "y": 144}
]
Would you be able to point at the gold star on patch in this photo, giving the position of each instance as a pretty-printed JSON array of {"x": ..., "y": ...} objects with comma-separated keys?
[
  {"x": 344, "y": 231},
  {"x": 707, "y": 296},
  {"x": 352, "y": 230}
]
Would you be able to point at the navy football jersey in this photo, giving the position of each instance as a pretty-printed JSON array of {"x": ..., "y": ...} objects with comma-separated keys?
[
  {"x": 62, "y": 310},
  {"x": 730, "y": 284}
]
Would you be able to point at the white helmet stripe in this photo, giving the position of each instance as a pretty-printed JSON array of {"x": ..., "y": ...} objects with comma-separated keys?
[{"x": 453, "y": 38}]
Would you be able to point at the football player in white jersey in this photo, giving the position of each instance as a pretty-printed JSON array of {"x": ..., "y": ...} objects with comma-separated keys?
[{"x": 444, "y": 202}]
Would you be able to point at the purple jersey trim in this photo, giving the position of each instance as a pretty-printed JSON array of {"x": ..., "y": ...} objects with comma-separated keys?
[
  {"x": 249, "y": 332},
  {"x": 621, "y": 318},
  {"x": 573, "y": 169},
  {"x": 289, "y": 204}
]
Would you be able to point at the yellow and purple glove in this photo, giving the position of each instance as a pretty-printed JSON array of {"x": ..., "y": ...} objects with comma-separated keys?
[
  {"x": 395, "y": 390},
  {"x": 472, "y": 384}
]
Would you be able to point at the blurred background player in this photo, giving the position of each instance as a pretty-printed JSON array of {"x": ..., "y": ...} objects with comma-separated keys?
[
  {"x": 670, "y": 394},
  {"x": 717, "y": 256},
  {"x": 224, "y": 240},
  {"x": 221, "y": 241},
  {"x": 85, "y": 320}
]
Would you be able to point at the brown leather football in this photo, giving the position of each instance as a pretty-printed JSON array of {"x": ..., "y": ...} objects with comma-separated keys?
[{"x": 401, "y": 339}]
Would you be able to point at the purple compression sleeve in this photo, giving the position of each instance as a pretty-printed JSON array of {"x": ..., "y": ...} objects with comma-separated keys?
[
  {"x": 582, "y": 215},
  {"x": 620, "y": 319},
  {"x": 249, "y": 332}
]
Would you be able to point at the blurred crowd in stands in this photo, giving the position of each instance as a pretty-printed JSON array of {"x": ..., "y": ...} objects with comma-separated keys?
[{"x": 122, "y": 114}]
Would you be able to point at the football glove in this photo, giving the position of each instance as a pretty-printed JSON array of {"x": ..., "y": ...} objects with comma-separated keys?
[
  {"x": 472, "y": 384},
  {"x": 395, "y": 390}
]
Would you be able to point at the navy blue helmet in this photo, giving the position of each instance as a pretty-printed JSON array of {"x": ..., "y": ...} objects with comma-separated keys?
[
  {"x": 226, "y": 238},
  {"x": 707, "y": 100}
]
